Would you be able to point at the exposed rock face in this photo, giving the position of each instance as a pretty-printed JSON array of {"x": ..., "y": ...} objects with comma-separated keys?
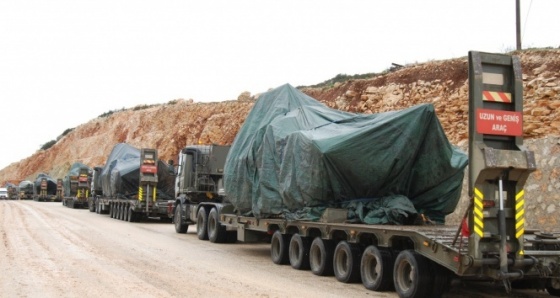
[{"x": 169, "y": 127}]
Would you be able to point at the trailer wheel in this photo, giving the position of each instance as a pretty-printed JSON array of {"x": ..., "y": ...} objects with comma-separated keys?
[
  {"x": 442, "y": 280},
  {"x": 376, "y": 269},
  {"x": 279, "y": 248},
  {"x": 202, "y": 224},
  {"x": 181, "y": 226},
  {"x": 111, "y": 210},
  {"x": 321, "y": 257},
  {"x": 299, "y": 252},
  {"x": 120, "y": 217},
  {"x": 346, "y": 262},
  {"x": 91, "y": 207},
  {"x": 97, "y": 209},
  {"x": 125, "y": 212},
  {"x": 131, "y": 217},
  {"x": 412, "y": 277},
  {"x": 216, "y": 232},
  {"x": 553, "y": 286}
]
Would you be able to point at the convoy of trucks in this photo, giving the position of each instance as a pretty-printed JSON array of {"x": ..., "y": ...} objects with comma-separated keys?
[{"x": 333, "y": 195}]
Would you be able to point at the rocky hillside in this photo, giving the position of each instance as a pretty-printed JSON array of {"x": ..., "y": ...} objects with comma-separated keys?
[{"x": 170, "y": 126}]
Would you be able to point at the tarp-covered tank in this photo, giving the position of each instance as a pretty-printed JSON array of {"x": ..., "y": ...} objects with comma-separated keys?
[
  {"x": 74, "y": 171},
  {"x": 26, "y": 190},
  {"x": 120, "y": 175},
  {"x": 294, "y": 156},
  {"x": 51, "y": 184}
]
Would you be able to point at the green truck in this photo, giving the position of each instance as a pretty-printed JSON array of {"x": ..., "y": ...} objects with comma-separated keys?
[{"x": 417, "y": 258}]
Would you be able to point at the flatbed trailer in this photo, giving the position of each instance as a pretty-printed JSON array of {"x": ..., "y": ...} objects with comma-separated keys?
[
  {"x": 42, "y": 192},
  {"x": 75, "y": 187},
  {"x": 491, "y": 244},
  {"x": 133, "y": 210},
  {"x": 143, "y": 204},
  {"x": 445, "y": 252}
]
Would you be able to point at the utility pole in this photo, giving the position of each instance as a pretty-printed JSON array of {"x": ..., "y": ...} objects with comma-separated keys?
[{"x": 518, "y": 24}]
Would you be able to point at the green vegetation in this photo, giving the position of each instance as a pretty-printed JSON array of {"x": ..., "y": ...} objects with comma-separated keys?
[
  {"x": 106, "y": 114},
  {"x": 142, "y": 107},
  {"x": 341, "y": 78},
  {"x": 67, "y": 131},
  {"x": 48, "y": 145},
  {"x": 109, "y": 113}
]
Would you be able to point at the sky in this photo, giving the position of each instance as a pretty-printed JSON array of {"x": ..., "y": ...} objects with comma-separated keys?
[{"x": 65, "y": 62}]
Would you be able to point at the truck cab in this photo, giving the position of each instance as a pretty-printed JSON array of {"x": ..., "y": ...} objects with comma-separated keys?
[{"x": 3, "y": 193}]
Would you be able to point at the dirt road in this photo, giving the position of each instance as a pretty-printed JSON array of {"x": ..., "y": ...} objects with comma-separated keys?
[{"x": 48, "y": 250}]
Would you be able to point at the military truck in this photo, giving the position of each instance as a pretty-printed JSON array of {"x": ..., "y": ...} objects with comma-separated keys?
[
  {"x": 60, "y": 191},
  {"x": 135, "y": 184},
  {"x": 96, "y": 191},
  {"x": 26, "y": 190},
  {"x": 13, "y": 192},
  {"x": 419, "y": 256},
  {"x": 77, "y": 186},
  {"x": 44, "y": 189}
]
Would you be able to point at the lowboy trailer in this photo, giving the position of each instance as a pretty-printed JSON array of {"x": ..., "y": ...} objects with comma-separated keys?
[{"x": 491, "y": 244}]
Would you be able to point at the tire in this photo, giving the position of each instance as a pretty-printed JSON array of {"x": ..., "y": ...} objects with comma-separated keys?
[
  {"x": 131, "y": 216},
  {"x": 442, "y": 280},
  {"x": 125, "y": 212},
  {"x": 91, "y": 207},
  {"x": 121, "y": 217},
  {"x": 231, "y": 236},
  {"x": 180, "y": 226},
  {"x": 346, "y": 262},
  {"x": 321, "y": 257},
  {"x": 279, "y": 248},
  {"x": 298, "y": 252},
  {"x": 553, "y": 286},
  {"x": 216, "y": 232},
  {"x": 376, "y": 269},
  {"x": 202, "y": 224},
  {"x": 412, "y": 276},
  {"x": 111, "y": 211}
]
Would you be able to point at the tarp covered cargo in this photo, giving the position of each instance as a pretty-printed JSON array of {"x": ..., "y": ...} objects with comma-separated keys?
[
  {"x": 26, "y": 186},
  {"x": 294, "y": 156},
  {"x": 73, "y": 171},
  {"x": 121, "y": 174},
  {"x": 51, "y": 184}
]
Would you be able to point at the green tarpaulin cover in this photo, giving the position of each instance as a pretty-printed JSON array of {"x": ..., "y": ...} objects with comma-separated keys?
[
  {"x": 120, "y": 176},
  {"x": 73, "y": 171},
  {"x": 294, "y": 156}
]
